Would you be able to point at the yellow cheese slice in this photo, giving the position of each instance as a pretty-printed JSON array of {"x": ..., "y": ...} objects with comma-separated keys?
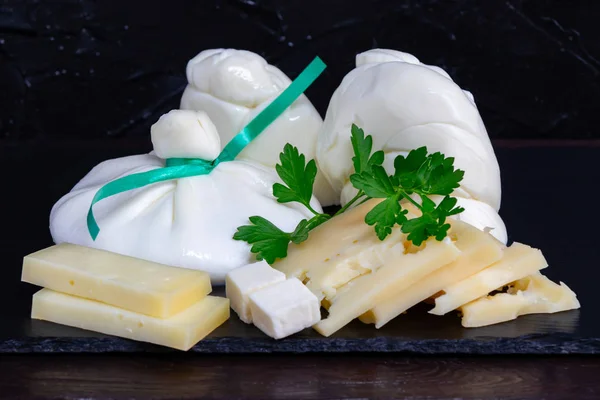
[
  {"x": 181, "y": 331},
  {"x": 535, "y": 294},
  {"x": 399, "y": 272},
  {"x": 125, "y": 282},
  {"x": 478, "y": 251},
  {"x": 518, "y": 261},
  {"x": 340, "y": 238}
]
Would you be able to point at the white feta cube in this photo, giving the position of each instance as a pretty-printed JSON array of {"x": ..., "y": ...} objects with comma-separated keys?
[
  {"x": 285, "y": 308},
  {"x": 243, "y": 281}
]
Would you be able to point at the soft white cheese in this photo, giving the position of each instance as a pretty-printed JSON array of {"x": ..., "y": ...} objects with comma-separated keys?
[
  {"x": 243, "y": 281},
  {"x": 185, "y": 134},
  {"x": 405, "y": 104},
  {"x": 187, "y": 222},
  {"x": 232, "y": 87},
  {"x": 284, "y": 308}
]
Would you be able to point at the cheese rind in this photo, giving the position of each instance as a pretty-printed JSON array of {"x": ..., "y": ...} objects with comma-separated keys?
[
  {"x": 181, "y": 331},
  {"x": 400, "y": 272},
  {"x": 284, "y": 308},
  {"x": 518, "y": 261},
  {"x": 243, "y": 281},
  {"x": 129, "y": 283},
  {"x": 478, "y": 251},
  {"x": 535, "y": 294}
]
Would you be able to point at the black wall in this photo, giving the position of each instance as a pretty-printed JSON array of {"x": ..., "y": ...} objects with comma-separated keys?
[{"x": 72, "y": 70}]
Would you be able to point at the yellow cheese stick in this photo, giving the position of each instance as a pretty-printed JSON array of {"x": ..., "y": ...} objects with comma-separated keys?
[
  {"x": 478, "y": 251},
  {"x": 518, "y": 261},
  {"x": 125, "y": 282},
  {"x": 181, "y": 331},
  {"x": 402, "y": 271},
  {"x": 534, "y": 294}
]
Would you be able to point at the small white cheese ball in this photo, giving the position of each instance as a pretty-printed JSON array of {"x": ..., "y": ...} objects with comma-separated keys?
[{"x": 185, "y": 134}]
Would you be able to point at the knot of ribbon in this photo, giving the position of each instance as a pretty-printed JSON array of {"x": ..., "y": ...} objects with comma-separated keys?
[{"x": 176, "y": 168}]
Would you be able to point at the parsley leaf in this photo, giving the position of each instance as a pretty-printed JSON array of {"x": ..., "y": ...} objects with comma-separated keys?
[
  {"x": 375, "y": 183},
  {"x": 418, "y": 173},
  {"x": 385, "y": 215},
  {"x": 421, "y": 173},
  {"x": 427, "y": 174},
  {"x": 433, "y": 220},
  {"x": 268, "y": 241},
  {"x": 362, "y": 146},
  {"x": 298, "y": 175}
]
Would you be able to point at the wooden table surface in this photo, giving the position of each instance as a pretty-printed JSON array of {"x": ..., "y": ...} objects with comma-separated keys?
[{"x": 297, "y": 376}]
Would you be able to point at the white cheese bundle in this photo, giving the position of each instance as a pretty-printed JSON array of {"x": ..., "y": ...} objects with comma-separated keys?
[
  {"x": 187, "y": 222},
  {"x": 404, "y": 105},
  {"x": 232, "y": 87}
]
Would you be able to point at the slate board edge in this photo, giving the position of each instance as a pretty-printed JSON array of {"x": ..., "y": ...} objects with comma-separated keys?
[{"x": 552, "y": 344}]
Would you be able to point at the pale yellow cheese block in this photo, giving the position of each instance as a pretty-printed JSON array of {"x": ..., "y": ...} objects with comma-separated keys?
[
  {"x": 535, "y": 294},
  {"x": 125, "y": 282},
  {"x": 518, "y": 261},
  {"x": 401, "y": 271},
  {"x": 181, "y": 331},
  {"x": 478, "y": 251}
]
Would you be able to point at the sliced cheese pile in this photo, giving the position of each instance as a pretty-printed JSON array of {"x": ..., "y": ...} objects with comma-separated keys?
[
  {"x": 402, "y": 271},
  {"x": 118, "y": 295},
  {"x": 355, "y": 275},
  {"x": 277, "y": 306},
  {"x": 477, "y": 251},
  {"x": 339, "y": 251}
]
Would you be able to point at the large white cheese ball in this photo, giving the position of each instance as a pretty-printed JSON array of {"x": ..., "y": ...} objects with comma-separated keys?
[
  {"x": 405, "y": 104},
  {"x": 232, "y": 87},
  {"x": 187, "y": 222}
]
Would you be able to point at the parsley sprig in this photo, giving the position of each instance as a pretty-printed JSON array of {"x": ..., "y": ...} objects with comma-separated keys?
[
  {"x": 268, "y": 241},
  {"x": 416, "y": 176}
]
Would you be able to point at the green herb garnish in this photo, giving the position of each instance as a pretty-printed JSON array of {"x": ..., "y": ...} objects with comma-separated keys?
[
  {"x": 268, "y": 241},
  {"x": 418, "y": 175}
]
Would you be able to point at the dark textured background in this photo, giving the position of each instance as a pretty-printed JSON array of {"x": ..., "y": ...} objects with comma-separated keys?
[
  {"x": 81, "y": 82},
  {"x": 90, "y": 69}
]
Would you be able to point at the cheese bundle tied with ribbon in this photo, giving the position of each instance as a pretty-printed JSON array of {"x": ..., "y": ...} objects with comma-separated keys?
[
  {"x": 181, "y": 204},
  {"x": 233, "y": 86}
]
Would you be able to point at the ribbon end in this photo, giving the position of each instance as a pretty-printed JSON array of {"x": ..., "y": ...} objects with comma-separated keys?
[{"x": 93, "y": 227}]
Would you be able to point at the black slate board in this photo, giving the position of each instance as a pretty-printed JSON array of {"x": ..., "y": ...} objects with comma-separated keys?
[{"x": 537, "y": 209}]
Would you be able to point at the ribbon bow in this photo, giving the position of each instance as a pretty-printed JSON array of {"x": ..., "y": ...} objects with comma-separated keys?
[{"x": 177, "y": 168}]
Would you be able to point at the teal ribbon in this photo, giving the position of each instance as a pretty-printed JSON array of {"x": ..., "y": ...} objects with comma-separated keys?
[{"x": 177, "y": 168}]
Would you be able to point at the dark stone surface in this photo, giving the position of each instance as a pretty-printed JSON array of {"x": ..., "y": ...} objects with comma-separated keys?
[
  {"x": 94, "y": 69},
  {"x": 548, "y": 202}
]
